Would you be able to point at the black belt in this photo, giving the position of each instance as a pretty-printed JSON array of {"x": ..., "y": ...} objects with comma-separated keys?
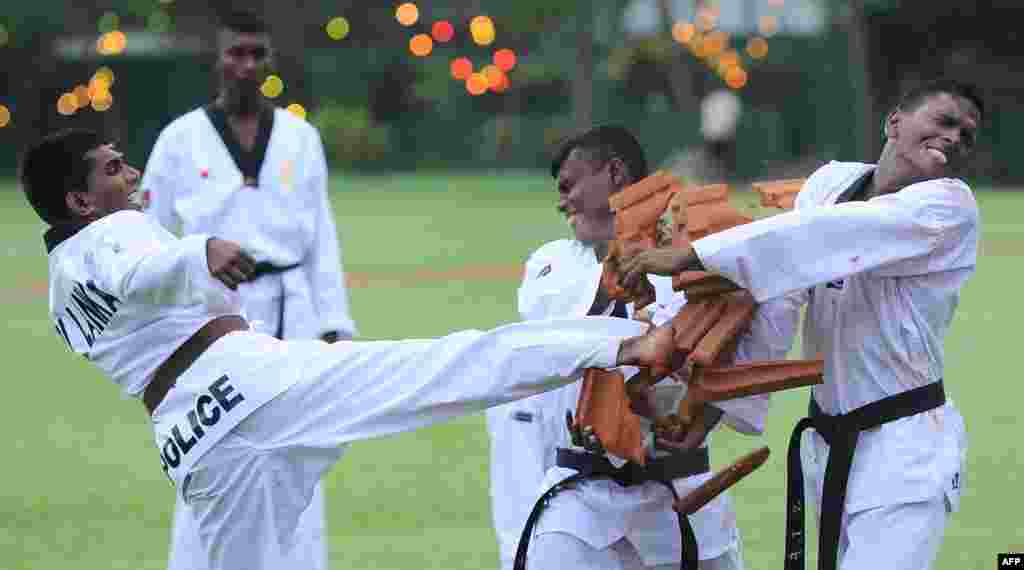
[
  {"x": 267, "y": 268},
  {"x": 592, "y": 466},
  {"x": 840, "y": 432}
]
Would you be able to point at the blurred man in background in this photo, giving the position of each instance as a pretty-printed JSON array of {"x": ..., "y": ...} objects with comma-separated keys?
[
  {"x": 715, "y": 160},
  {"x": 243, "y": 170}
]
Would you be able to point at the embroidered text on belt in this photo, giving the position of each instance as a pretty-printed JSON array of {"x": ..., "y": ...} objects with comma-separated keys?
[
  {"x": 592, "y": 466},
  {"x": 840, "y": 432}
]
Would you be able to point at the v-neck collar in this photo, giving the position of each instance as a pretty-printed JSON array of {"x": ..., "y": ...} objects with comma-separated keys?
[
  {"x": 857, "y": 191},
  {"x": 248, "y": 162}
]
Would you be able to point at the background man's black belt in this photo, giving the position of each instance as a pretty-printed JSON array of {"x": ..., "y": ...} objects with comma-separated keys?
[
  {"x": 593, "y": 466},
  {"x": 840, "y": 432},
  {"x": 267, "y": 268}
]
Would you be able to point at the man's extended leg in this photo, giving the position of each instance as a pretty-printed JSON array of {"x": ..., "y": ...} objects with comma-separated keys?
[{"x": 358, "y": 390}]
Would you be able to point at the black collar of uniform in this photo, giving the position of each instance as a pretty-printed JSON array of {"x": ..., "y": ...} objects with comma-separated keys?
[
  {"x": 857, "y": 192},
  {"x": 248, "y": 162},
  {"x": 59, "y": 233}
]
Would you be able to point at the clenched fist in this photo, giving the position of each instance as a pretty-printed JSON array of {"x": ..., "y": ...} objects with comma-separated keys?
[{"x": 228, "y": 263}]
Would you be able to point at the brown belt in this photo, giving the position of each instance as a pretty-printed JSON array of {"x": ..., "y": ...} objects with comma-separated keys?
[{"x": 178, "y": 362}]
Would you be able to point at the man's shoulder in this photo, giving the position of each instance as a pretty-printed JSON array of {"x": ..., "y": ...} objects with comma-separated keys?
[
  {"x": 184, "y": 123},
  {"x": 292, "y": 122},
  {"x": 829, "y": 179}
]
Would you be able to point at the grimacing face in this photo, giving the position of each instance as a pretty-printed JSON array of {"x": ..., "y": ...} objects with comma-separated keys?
[
  {"x": 937, "y": 138},
  {"x": 113, "y": 183},
  {"x": 584, "y": 187},
  {"x": 243, "y": 62}
]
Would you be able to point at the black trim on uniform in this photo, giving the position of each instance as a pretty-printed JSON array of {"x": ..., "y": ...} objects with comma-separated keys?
[
  {"x": 248, "y": 162},
  {"x": 593, "y": 466},
  {"x": 840, "y": 433},
  {"x": 857, "y": 192}
]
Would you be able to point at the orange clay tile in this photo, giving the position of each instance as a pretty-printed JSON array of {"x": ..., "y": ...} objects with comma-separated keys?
[
  {"x": 738, "y": 313},
  {"x": 694, "y": 320},
  {"x": 700, "y": 285},
  {"x": 720, "y": 481},
  {"x": 604, "y": 406},
  {"x": 779, "y": 193},
  {"x": 708, "y": 211},
  {"x": 759, "y": 378}
]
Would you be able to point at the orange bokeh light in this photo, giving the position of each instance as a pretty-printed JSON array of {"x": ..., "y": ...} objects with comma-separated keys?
[
  {"x": 67, "y": 104},
  {"x": 757, "y": 48},
  {"x": 421, "y": 45},
  {"x": 716, "y": 43},
  {"x": 442, "y": 31},
  {"x": 503, "y": 86},
  {"x": 736, "y": 77},
  {"x": 505, "y": 59},
  {"x": 493, "y": 74},
  {"x": 476, "y": 84},
  {"x": 729, "y": 58},
  {"x": 683, "y": 31},
  {"x": 407, "y": 14},
  {"x": 461, "y": 68}
]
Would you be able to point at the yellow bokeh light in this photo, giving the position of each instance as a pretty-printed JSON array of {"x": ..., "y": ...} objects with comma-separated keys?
[
  {"x": 421, "y": 45},
  {"x": 698, "y": 45},
  {"x": 97, "y": 89},
  {"x": 461, "y": 68},
  {"x": 5, "y": 116},
  {"x": 272, "y": 86},
  {"x": 111, "y": 43},
  {"x": 103, "y": 103},
  {"x": 4, "y": 36},
  {"x": 297, "y": 110},
  {"x": 407, "y": 14},
  {"x": 757, "y": 48},
  {"x": 82, "y": 98},
  {"x": 736, "y": 77},
  {"x": 337, "y": 28},
  {"x": 482, "y": 30},
  {"x": 476, "y": 84},
  {"x": 67, "y": 104},
  {"x": 104, "y": 75},
  {"x": 768, "y": 25},
  {"x": 683, "y": 31}
]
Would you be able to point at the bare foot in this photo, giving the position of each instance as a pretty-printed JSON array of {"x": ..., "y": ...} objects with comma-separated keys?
[{"x": 655, "y": 351}]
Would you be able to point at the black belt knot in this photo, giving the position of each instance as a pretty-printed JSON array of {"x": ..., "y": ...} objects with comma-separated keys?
[
  {"x": 840, "y": 432},
  {"x": 592, "y": 466}
]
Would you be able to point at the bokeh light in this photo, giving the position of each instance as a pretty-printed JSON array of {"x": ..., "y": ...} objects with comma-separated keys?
[
  {"x": 505, "y": 59},
  {"x": 757, "y": 47},
  {"x": 716, "y": 43},
  {"x": 5, "y": 116},
  {"x": 407, "y": 14},
  {"x": 297, "y": 110},
  {"x": 108, "y": 22},
  {"x": 103, "y": 102},
  {"x": 442, "y": 31},
  {"x": 4, "y": 36},
  {"x": 482, "y": 30},
  {"x": 272, "y": 86},
  {"x": 67, "y": 104},
  {"x": 158, "y": 22},
  {"x": 736, "y": 77},
  {"x": 421, "y": 45},
  {"x": 82, "y": 97},
  {"x": 461, "y": 68},
  {"x": 476, "y": 84},
  {"x": 111, "y": 43},
  {"x": 337, "y": 28},
  {"x": 683, "y": 31},
  {"x": 768, "y": 25},
  {"x": 503, "y": 86},
  {"x": 494, "y": 75}
]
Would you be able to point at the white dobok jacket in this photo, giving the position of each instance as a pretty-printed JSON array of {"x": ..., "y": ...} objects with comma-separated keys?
[
  {"x": 881, "y": 279},
  {"x": 194, "y": 186},
  {"x": 561, "y": 279}
]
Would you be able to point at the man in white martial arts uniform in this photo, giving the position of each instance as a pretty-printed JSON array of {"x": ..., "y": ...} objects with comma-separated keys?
[
  {"x": 246, "y": 424},
  {"x": 879, "y": 252},
  {"x": 600, "y": 524},
  {"x": 242, "y": 170}
]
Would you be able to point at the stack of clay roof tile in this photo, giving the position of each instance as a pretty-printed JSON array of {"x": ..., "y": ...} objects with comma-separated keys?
[{"x": 705, "y": 331}]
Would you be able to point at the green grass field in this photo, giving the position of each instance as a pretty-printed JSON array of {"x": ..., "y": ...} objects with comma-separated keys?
[{"x": 82, "y": 487}]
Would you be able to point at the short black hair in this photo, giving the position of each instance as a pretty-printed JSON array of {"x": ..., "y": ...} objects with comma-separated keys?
[
  {"x": 603, "y": 143},
  {"x": 913, "y": 98},
  {"x": 242, "y": 22},
  {"x": 55, "y": 166}
]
